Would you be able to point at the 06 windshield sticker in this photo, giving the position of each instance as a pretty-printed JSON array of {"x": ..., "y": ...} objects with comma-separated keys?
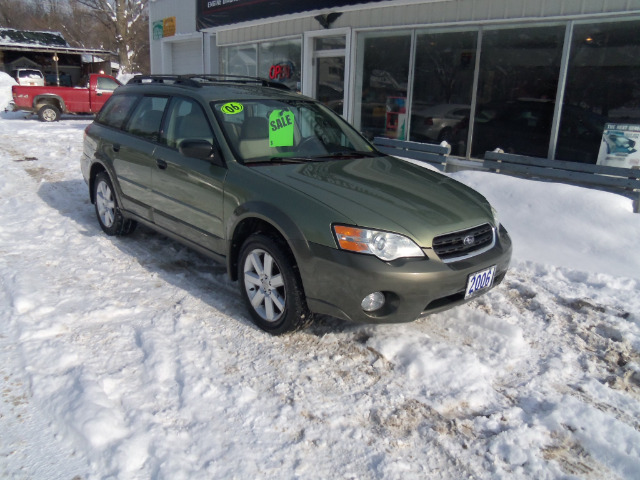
[
  {"x": 281, "y": 128},
  {"x": 232, "y": 108}
]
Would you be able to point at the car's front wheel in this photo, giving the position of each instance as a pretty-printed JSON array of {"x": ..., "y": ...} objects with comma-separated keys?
[
  {"x": 271, "y": 285},
  {"x": 109, "y": 216}
]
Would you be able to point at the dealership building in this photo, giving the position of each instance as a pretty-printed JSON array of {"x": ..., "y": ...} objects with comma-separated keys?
[{"x": 556, "y": 79}]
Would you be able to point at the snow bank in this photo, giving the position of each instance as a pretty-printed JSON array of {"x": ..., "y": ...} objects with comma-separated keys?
[
  {"x": 6, "y": 82},
  {"x": 123, "y": 78},
  {"x": 564, "y": 225}
]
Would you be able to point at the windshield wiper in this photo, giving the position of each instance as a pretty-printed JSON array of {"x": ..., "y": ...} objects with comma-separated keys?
[
  {"x": 280, "y": 160},
  {"x": 350, "y": 154},
  {"x": 317, "y": 158}
]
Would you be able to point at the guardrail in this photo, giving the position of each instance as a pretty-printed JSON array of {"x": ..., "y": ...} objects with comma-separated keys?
[
  {"x": 434, "y": 154},
  {"x": 625, "y": 181}
]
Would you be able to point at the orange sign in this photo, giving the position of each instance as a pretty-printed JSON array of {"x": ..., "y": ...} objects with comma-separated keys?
[{"x": 169, "y": 27}]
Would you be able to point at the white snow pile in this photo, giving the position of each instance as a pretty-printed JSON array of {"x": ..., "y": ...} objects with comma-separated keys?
[
  {"x": 134, "y": 358},
  {"x": 123, "y": 78},
  {"x": 6, "y": 82}
]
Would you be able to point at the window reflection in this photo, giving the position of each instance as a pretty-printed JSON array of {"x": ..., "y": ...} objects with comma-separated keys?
[
  {"x": 443, "y": 86},
  {"x": 381, "y": 101},
  {"x": 330, "y": 82},
  {"x": 519, "y": 70},
  {"x": 603, "y": 86},
  {"x": 280, "y": 62},
  {"x": 241, "y": 60}
]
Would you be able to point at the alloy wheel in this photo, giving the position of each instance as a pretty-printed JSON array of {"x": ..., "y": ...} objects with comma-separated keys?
[
  {"x": 106, "y": 204},
  {"x": 264, "y": 285}
]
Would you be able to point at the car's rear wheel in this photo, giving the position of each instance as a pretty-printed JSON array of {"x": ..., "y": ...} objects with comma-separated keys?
[
  {"x": 271, "y": 285},
  {"x": 109, "y": 216},
  {"x": 446, "y": 135},
  {"x": 49, "y": 113}
]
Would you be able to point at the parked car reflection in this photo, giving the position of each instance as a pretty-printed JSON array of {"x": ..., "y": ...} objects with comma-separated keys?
[
  {"x": 435, "y": 123},
  {"x": 524, "y": 127}
]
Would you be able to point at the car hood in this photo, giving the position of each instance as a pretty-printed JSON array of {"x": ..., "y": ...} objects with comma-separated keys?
[{"x": 388, "y": 194}]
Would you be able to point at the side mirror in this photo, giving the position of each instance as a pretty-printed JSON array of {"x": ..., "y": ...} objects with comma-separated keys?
[{"x": 200, "y": 149}]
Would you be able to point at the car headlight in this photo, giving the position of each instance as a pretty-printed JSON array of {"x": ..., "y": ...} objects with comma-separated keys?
[{"x": 386, "y": 246}]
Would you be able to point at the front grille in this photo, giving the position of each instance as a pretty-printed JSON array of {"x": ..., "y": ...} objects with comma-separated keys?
[{"x": 466, "y": 243}]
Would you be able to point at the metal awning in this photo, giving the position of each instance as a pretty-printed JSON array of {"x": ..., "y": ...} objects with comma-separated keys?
[{"x": 54, "y": 49}]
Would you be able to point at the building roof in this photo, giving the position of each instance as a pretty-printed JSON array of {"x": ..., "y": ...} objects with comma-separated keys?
[
  {"x": 33, "y": 41},
  {"x": 12, "y": 37}
]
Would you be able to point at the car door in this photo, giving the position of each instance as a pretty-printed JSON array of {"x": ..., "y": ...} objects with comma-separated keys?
[
  {"x": 104, "y": 89},
  {"x": 133, "y": 149},
  {"x": 188, "y": 192}
]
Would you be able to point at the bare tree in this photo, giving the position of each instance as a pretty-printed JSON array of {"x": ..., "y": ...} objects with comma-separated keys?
[
  {"x": 15, "y": 14},
  {"x": 114, "y": 25},
  {"x": 126, "y": 19}
]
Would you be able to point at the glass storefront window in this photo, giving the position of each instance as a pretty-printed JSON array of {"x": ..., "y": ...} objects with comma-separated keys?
[
  {"x": 518, "y": 80},
  {"x": 602, "y": 92},
  {"x": 442, "y": 86},
  {"x": 280, "y": 61},
  {"x": 240, "y": 60},
  {"x": 515, "y": 96},
  {"x": 381, "y": 93},
  {"x": 330, "y": 43}
]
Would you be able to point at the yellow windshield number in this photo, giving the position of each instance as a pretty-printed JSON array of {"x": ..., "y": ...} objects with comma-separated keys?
[{"x": 232, "y": 108}]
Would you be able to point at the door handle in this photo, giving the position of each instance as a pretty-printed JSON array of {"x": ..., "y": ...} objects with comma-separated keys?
[
  {"x": 115, "y": 147},
  {"x": 162, "y": 165}
]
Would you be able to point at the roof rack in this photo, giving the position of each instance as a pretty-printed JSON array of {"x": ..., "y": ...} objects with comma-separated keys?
[
  {"x": 166, "y": 79},
  {"x": 242, "y": 79},
  {"x": 198, "y": 80}
]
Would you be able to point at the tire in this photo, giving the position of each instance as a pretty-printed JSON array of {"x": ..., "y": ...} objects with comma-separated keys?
[
  {"x": 446, "y": 135},
  {"x": 107, "y": 210},
  {"x": 271, "y": 286},
  {"x": 49, "y": 113}
]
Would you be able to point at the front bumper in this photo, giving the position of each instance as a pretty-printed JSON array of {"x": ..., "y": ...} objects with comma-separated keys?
[{"x": 336, "y": 281}]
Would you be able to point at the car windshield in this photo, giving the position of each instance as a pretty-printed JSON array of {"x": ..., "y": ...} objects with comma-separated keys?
[{"x": 284, "y": 131}]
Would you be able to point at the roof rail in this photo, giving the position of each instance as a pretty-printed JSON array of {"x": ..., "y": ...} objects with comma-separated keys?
[
  {"x": 168, "y": 79},
  {"x": 198, "y": 80},
  {"x": 242, "y": 79}
]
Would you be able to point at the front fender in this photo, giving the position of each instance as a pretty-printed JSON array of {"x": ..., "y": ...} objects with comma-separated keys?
[{"x": 255, "y": 216}]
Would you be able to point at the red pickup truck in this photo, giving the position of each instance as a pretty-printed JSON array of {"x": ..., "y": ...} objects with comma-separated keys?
[{"x": 49, "y": 102}]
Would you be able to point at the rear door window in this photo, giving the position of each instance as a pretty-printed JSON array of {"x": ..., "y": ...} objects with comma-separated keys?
[
  {"x": 146, "y": 118},
  {"x": 116, "y": 110}
]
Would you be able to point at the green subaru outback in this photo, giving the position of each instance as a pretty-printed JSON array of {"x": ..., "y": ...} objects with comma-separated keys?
[{"x": 306, "y": 214}]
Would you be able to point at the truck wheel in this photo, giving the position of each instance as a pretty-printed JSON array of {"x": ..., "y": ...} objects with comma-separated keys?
[
  {"x": 109, "y": 216},
  {"x": 271, "y": 286},
  {"x": 49, "y": 113}
]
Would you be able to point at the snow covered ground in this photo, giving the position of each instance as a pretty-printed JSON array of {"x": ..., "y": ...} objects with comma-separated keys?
[{"x": 134, "y": 358}]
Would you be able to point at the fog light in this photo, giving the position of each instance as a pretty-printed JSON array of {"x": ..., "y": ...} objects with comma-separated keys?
[{"x": 373, "y": 301}]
